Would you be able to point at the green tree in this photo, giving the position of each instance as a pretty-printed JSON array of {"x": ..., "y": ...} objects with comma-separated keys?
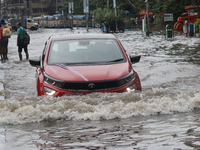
[
  {"x": 133, "y": 6},
  {"x": 51, "y": 7},
  {"x": 106, "y": 16},
  {"x": 196, "y": 2},
  {"x": 78, "y": 6},
  {"x": 177, "y": 7}
]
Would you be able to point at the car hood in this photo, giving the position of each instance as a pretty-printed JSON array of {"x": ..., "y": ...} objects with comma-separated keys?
[{"x": 88, "y": 73}]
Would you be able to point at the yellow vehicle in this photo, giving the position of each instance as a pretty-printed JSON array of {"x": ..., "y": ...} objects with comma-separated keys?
[{"x": 26, "y": 23}]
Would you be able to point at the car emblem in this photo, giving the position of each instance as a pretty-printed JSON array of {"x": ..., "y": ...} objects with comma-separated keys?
[{"x": 91, "y": 86}]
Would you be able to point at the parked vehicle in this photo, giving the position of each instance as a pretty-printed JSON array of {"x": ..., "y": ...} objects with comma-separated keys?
[
  {"x": 50, "y": 21},
  {"x": 26, "y": 23},
  {"x": 127, "y": 20},
  {"x": 53, "y": 21},
  {"x": 67, "y": 21},
  {"x": 80, "y": 20},
  {"x": 64, "y": 21},
  {"x": 85, "y": 64},
  {"x": 38, "y": 20},
  {"x": 120, "y": 26},
  {"x": 42, "y": 21}
]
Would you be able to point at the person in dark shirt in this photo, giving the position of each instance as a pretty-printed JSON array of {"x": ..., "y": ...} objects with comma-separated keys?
[{"x": 20, "y": 44}]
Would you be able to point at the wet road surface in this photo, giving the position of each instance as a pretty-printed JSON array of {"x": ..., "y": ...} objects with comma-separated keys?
[{"x": 165, "y": 115}]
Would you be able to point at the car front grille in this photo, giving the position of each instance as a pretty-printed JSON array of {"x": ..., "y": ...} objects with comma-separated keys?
[{"x": 89, "y": 85}]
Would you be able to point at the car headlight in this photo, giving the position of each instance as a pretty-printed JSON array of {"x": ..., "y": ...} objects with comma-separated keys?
[
  {"x": 131, "y": 88},
  {"x": 49, "y": 91},
  {"x": 126, "y": 79},
  {"x": 51, "y": 81}
]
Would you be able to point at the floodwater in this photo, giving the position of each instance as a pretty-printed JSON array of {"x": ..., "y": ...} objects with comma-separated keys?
[{"x": 165, "y": 115}]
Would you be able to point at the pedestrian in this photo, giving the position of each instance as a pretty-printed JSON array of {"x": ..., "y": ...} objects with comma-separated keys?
[
  {"x": 20, "y": 43},
  {"x": 136, "y": 21},
  {"x": 185, "y": 27},
  {"x": 2, "y": 45},
  {"x": 141, "y": 17},
  {"x": 4, "y": 40},
  {"x": 154, "y": 18},
  {"x": 1, "y": 50}
]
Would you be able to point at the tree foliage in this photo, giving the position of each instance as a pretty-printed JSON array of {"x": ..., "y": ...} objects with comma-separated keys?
[
  {"x": 177, "y": 7},
  {"x": 51, "y": 7},
  {"x": 107, "y": 16},
  {"x": 78, "y": 6},
  {"x": 133, "y": 6}
]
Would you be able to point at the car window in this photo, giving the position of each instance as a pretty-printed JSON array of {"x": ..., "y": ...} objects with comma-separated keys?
[
  {"x": 85, "y": 51},
  {"x": 55, "y": 47},
  {"x": 30, "y": 21}
]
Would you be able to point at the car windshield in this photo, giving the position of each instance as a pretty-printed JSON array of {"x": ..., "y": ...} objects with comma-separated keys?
[{"x": 85, "y": 51}]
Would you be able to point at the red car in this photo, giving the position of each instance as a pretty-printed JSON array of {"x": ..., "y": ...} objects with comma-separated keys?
[{"x": 85, "y": 63}]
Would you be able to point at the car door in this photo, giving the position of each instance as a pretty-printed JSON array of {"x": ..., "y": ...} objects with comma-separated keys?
[{"x": 39, "y": 73}]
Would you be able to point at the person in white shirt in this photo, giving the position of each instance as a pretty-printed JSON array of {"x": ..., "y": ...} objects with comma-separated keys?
[{"x": 185, "y": 27}]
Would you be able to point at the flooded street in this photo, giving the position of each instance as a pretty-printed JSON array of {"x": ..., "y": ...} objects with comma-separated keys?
[{"x": 165, "y": 115}]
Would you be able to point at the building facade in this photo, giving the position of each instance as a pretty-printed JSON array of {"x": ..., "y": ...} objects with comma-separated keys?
[{"x": 20, "y": 8}]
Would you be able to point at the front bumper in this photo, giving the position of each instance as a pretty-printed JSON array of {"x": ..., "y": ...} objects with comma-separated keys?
[
  {"x": 46, "y": 89},
  {"x": 58, "y": 92}
]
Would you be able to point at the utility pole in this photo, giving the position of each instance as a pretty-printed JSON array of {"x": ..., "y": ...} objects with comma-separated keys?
[
  {"x": 147, "y": 11},
  {"x": 0, "y": 8},
  {"x": 19, "y": 8},
  {"x": 56, "y": 6},
  {"x": 159, "y": 13},
  {"x": 97, "y": 4},
  {"x": 29, "y": 8},
  {"x": 71, "y": 9},
  {"x": 114, "y": 6},
  {"x": 87, "y": 14},
  {"x": 42, "y": 6},
  {"x": 197, "y": 1},
  {"x": 72, "y": 15},
  {"x": 116, "y": 20},
  {"x": 108, "y": 4},
  {"x": 10, "y": 8}
]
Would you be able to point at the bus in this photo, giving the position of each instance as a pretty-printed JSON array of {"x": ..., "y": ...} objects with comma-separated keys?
[
  {"x": 80, "y": 20},
  {"x": 64, "y": 21},
  {"x": 38, "y": 20},
  {"x": 50, "y": 21}
]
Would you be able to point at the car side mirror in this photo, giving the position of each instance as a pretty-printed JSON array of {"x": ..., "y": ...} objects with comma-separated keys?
[
  {"x": 135, "y": 58},
  {"x": 34, "y": 62}
]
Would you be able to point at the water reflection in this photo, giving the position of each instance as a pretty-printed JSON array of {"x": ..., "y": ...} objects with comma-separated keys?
[{"x": 180, "y": 131}]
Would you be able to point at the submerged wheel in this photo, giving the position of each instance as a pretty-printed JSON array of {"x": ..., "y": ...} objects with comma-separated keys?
[{"x": 32, "y": 28}]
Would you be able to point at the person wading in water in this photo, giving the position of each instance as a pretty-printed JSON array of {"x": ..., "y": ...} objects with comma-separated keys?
[{"x": 20, "y": 43}]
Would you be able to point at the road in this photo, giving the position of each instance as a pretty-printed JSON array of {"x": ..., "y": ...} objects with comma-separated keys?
[{"x": 165, "y": 115}]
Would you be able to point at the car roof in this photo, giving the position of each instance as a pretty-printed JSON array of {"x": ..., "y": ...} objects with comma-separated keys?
[{"x": 81, "y": 36}]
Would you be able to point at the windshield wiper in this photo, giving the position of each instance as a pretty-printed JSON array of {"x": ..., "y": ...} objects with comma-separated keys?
[
  {"x": 116, "y": 60},
  {"x": 71, "y": 64}
]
